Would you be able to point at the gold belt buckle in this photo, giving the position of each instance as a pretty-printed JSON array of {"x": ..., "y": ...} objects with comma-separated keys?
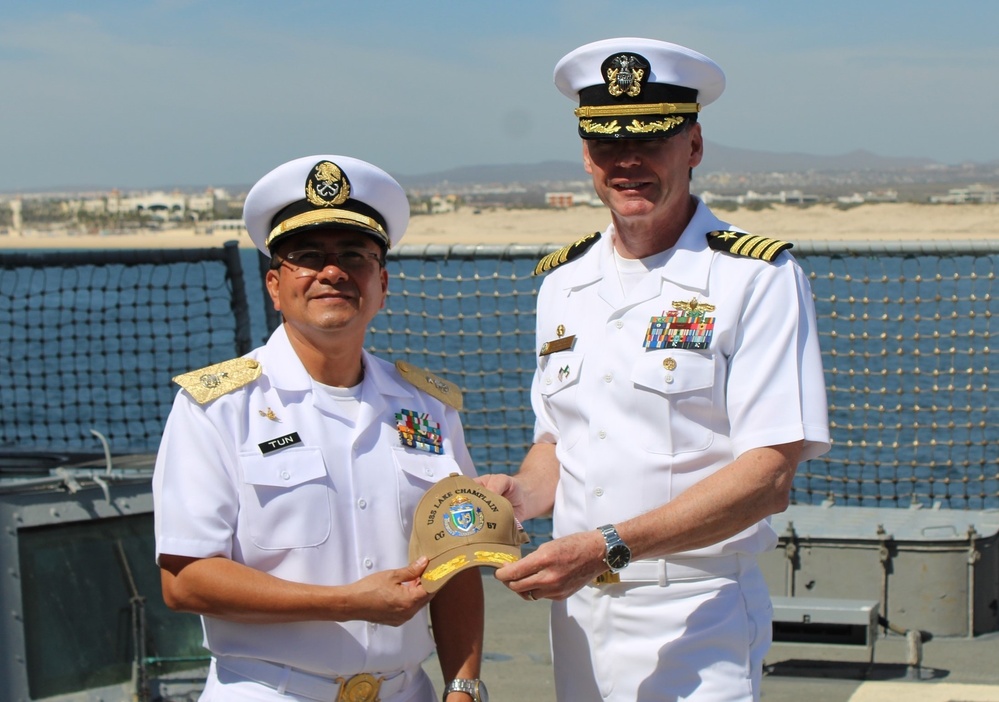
[
  {"x": 362, "y": 687},
  {"x": 606, "y": 578}
]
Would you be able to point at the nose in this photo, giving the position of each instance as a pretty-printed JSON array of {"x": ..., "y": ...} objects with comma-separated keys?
[
  {"x": 331, "y": 270},
  {"x": 628, "y": 154}
]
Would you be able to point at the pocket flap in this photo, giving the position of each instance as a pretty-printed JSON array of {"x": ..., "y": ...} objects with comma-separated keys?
[
  {"x": 668, "y": 373},
  {"x": 426, "y": 467},
  {"x": 286, "y": 468}
]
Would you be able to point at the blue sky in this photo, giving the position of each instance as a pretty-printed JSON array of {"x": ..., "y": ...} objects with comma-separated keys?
[{"x": 131, "y": 94}]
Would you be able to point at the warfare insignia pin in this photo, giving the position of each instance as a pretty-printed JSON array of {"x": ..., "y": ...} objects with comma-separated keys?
[
  {"x": 419, "y": 431},
  {"x": 625, "y": 74},
  {"x": 327, "y": 185},
  {"x": 269, "y": 414},
  {"x": 686, "y": 326},
  {"x": 463, "y": 518}
]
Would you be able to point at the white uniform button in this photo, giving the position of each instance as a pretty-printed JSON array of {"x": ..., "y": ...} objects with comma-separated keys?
[
  {"x": 429, "y": 472},
  {"x": 619, "y": 323},
  {"x": 669, "y": 378},
  {"x": 368, "y": 563},
  {"x": 608, "y": 377},
  {"x": 285, "y": 475},
  {"x": 602, "y": 434},
  {"x": 362, "y": 503},
  {"x": 548, "y": 380},
  {"x": 599, "y": 492}
]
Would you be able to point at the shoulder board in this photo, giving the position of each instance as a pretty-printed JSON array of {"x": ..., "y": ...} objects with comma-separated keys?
[
  {"x": 743, "y": 244},
  {"x": 211, "y": 382},
  {"x": 433, "y": 385},
  {"x": 566, "y": 253}
]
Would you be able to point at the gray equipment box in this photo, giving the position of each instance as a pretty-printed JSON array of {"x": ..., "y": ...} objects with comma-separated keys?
[{"x": 928, "y": 569}]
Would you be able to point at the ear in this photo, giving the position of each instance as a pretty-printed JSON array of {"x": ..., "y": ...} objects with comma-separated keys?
[
  {"x": 587, "y": 162},
  {"x": 384, "y": 280},
  {"x": 273, "y": 282},
  {"x": 696, "y": 145}
]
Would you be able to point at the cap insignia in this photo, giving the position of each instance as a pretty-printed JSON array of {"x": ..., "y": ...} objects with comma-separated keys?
[
  {"x": 214, "y": 381},
  {"x": 566, "y": 253},
  {"x": 743, "y": 244},
  {"x": 327, "y": 185},
  {"x": 625, "y": 74}
]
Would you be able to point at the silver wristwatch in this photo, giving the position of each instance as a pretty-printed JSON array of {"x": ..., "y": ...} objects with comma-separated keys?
[
  {"x": 618, "y": 555},
  {"x": 474, "y": 687}
]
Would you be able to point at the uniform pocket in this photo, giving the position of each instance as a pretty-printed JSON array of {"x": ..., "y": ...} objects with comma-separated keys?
[
  {"x": 286, "y": 501},
  {"x": 559, "y": 388},
  {"x": 678, "y": 407}
]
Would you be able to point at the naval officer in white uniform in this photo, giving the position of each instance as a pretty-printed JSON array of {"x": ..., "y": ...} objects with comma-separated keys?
[
  {"x": 286, "y": 481},
  {"x": 678, "y": 387}
]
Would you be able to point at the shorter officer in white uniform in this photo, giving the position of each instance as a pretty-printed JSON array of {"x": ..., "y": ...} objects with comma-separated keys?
[
  {"x": 679, "y": 384},
  {"x": 286, "y": 480}
]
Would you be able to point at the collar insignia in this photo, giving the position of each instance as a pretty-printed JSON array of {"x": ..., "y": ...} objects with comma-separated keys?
[
  {"x": 625, "y": 74},
  {"x": 327, "y": 185}
]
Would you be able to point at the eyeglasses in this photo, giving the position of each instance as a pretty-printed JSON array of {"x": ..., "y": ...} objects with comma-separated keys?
[{"x": 310, "y": 262}]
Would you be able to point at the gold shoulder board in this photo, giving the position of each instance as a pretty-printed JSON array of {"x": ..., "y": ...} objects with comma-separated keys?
[
  {"x": 743, "y": 244},
  {"x": 435, "y": 386},
  {"x": 566, "y": 253},
  {"x": 211, "y": 382}
]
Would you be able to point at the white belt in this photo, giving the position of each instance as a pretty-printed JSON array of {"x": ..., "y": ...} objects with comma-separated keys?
[
  {"x": 662, "y": 571},
  {"x": 285, "y": 679}
]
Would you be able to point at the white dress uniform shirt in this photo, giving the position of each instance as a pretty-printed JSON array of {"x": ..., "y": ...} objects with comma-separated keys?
[
  {"x": 331, "y": 506},
  {"x": 635, "y": 427}
]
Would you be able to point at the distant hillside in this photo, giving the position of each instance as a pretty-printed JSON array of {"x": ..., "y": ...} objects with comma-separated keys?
[{"x": 717, "y": 159}]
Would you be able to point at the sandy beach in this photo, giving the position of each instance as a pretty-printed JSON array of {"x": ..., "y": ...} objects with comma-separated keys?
[{"x": 881, "y": 221}]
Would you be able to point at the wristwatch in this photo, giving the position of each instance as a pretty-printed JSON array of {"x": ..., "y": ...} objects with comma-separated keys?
[
  {"x": 476, "y": 688},
  {"x": 618, "y": 555}
]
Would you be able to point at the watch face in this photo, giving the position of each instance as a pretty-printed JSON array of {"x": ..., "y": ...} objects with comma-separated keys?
[{"x": 618, "y": 556}]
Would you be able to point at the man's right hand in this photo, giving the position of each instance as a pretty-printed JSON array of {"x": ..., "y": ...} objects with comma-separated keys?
[{"x": 389, "y": 597}]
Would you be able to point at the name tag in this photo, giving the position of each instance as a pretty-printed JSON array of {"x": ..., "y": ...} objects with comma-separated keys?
[{"x": 280, "y": 443}]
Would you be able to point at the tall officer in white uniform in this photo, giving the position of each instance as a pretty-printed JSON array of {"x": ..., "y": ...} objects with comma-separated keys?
[
  {"x": 286, "y": 480},
  {"x": 678, "y": 386}
]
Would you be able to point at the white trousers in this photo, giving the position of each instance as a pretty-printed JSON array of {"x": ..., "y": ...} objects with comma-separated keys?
[
  {"x": 690, "y": 640},
  {"x": 234, "y": 688}
]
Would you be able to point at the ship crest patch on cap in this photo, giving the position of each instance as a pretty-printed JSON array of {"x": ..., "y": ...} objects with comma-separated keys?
[
  {"x": 463, "y": 518},
  {"x": 625, "y": 74},
  {"x": 327, "y": 185}
]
